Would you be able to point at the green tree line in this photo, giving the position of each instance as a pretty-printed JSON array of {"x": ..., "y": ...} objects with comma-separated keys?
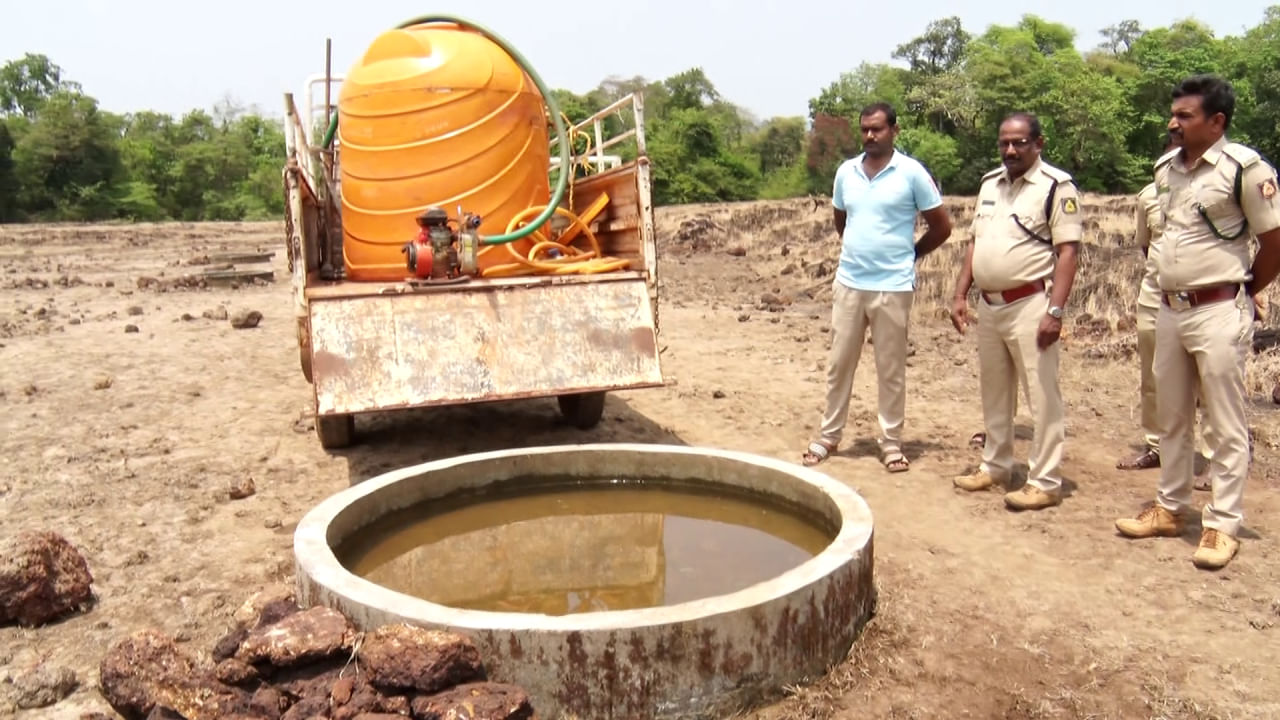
[{"x": 1103, "y": 112}]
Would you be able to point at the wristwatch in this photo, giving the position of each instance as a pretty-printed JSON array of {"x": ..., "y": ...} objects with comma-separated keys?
[{"x": 1055, "y": 312}]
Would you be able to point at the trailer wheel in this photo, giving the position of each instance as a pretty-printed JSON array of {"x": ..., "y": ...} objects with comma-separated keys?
[
  {"x": 304, "y": 347},
  {"x": 335, "y": 431},
  {"x": 582, "y": 410}
]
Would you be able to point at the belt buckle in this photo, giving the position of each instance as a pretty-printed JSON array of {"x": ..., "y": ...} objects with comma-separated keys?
[{"x": 1180, "y": 300}]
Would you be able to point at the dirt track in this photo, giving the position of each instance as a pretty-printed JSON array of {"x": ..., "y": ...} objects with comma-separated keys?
[{"x": 127, "y": 444}]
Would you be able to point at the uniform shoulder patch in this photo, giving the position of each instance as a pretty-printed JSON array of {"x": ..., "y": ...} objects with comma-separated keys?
[
  {"x": 1242, "y": 154},
  {"x": 1267, "y": 188},
  {"x": 1165, "y": 158},
  {"x": 1056, "y": 173},
  {"x": 1070, "y": 206}
]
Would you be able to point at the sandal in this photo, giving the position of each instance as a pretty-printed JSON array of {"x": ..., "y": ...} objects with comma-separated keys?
[
  {"x": 1143, "y": 461},
  {"x": 896, "y": 462},
  {"x": 978, "y": 440},
  {"x": 818, "y": 452}
]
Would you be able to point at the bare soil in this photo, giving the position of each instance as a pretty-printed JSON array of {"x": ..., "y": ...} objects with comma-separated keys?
[{"x": 129, "y": 444}]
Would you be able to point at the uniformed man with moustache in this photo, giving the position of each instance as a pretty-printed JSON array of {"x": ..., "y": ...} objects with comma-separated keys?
[
  {"x": 1213, "y": 193},
  {"x": 1149, "y": 225},
  {"x": 1027, "y": 230}
]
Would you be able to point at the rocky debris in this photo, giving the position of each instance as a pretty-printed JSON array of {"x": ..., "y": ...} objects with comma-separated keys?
[
  {"x": 696, "y": 233},
  {"x": 486, "y": 701},
  {"x": 147, "y": 670},
  {"x": 737, "y": 251},
  {"x": 394, "y": 671},
  {"x": 42, "y": 686},
  {"x": 182, "y": 282},
  {"x": 246, "y": 319},
  {"x": 242, "y": 488},
  {"x": 1087, "y": 325},
  {"x": 820, "y": 269},
  {"x": 29, "y": 283},
  {"x": 235, "y": 672},
  {"x": 134, "y": 310},
  {"x": 218, "y": 313},
  {"x": 131, "y": 328},
  {"x": 302, "y": 637},
  {"x": 267, "y": 606},
  {"x": 773, "y": 302},
  {"x": 42, "y": 578},
  {"x": 103, "y": 382},
  {"x": 403, "y": 657}
]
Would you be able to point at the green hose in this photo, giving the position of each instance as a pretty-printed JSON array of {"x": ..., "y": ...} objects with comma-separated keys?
[{"x": 561, "y": 133}]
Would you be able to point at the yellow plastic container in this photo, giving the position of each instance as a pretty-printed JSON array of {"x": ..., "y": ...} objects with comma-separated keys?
[{"x": 435, "y": 115}]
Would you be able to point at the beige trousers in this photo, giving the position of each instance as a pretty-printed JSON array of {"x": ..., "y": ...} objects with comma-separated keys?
[
  {"x": 1007, "y": 355},
  {"x": 1147, "y": 383},
  {"x": 886, "y": 314},
  {"x": 1150, "y": 416},
  {"x": 1206, "y": 344}
]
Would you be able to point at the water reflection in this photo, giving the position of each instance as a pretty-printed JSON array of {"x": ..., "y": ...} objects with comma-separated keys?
[{"x": 573, "y": 546}]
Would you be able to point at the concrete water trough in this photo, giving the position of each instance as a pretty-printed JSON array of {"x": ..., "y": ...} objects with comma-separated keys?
[{"x": 696, "y": 659}]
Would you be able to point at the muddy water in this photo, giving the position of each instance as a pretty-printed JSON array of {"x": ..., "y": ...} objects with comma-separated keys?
[{"x": 568, "y": 546}]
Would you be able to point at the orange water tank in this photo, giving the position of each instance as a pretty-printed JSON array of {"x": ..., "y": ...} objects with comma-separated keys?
[{"x": 435, "y": 115}]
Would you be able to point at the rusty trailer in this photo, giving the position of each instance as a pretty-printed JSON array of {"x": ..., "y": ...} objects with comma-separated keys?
[{"x": 381, "y": 346}]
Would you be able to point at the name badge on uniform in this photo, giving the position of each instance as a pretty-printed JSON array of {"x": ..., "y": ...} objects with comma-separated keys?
[{"x": 988, "y": 202}]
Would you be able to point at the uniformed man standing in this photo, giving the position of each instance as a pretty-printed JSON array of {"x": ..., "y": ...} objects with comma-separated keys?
[
  {"x": 1026, "y": 235},
  {"x": 1212, "y": 194},
  {"x": 1149, "y": 225}
]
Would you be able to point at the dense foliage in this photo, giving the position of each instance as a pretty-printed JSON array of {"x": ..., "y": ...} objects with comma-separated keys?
[{"x": 1103, "y": 111}]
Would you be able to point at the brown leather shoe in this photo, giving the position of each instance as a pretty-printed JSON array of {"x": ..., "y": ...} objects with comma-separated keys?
[
  {"x": 1149, "y": 458},
  {"x": 1154, "y": 521},
  {"x": 974, "y": 481},
  {"x": 1216, "y": 549},
  {"x": 1030, "y": 497}
]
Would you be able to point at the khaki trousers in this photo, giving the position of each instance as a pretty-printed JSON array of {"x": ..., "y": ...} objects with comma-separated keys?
[
  {"x": 1147, "y": 384},
  {"x": 1150, "y": 416},
  {"x": 886, "y": 314},
  {"x": 1205, "y": 345},
  {"x": 1007, "y": 355}
]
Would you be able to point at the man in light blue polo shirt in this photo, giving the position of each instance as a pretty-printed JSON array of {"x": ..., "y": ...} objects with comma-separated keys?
[{"x": 877, "y": 196}]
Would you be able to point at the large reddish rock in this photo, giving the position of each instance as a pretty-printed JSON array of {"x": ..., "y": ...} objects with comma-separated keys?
[
  {"x": 299, "y": 638},
  {"x": 147, "y": 671},
  {"x": 475, "y": 701},
  {"x": 354, "y": 697},
  {"x": 42, "y": 577},
  {"x": 266, "y": 606},
  {"x": 403, "y": 657}
]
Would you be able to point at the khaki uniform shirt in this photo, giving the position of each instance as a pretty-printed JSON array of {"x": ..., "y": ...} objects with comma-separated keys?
[
  {"x": 1191, "y": 255},
  {"x": 1150, "y": 225},
  {"x": 1005, "y": 255}
]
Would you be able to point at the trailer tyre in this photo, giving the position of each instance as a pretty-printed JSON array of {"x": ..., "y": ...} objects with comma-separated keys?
[
  {"x": 582, "y": 410},
  {"x": 335, "y": 431}
]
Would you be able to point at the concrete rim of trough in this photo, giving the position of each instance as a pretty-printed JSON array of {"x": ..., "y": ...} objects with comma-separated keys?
[{"x": 318, "y": 566}]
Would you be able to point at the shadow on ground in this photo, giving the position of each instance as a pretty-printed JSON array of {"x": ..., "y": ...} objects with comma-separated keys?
[{"x": 392, "y": 440}]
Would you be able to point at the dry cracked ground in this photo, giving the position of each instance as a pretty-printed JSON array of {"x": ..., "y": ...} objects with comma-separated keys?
[{"x": 131, "y": 407}]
